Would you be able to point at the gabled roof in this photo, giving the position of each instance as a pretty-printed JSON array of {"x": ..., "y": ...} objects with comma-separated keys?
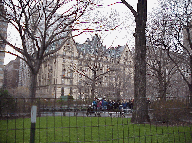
[
  {"x": 94, "y": 45},
  {"x": 115, "y": 52},
  {"x": 91, "y": 46}
]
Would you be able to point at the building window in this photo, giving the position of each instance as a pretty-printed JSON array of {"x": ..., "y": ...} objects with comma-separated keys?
[
  {"x": 62, "y": 80},
  {"x": 68, "y": 42}
]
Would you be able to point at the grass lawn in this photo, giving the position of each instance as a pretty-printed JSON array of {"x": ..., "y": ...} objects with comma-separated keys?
[{"x": 91, "y": 129}]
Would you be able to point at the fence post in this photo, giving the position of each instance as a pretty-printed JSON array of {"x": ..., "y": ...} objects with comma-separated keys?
[{"x": 33, "y": 121}]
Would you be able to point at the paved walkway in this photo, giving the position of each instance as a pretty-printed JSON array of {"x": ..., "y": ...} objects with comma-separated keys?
[{"x": 83, "y": 113}]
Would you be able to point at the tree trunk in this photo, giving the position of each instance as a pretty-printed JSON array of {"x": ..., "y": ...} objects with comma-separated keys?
[
  {"x": 190, "y": 85},
  {"x": 93, "y": 90},
  {"x": 162, "y": 87},
  {"x": 140, "y": 113},
  {"x": 162, "y": 93},
  {"x": 93, "y": 85},
  {"x": 190, "y": 95},
  {"x": 164, "y": 96},
  {"x": 33, "y": 86}
]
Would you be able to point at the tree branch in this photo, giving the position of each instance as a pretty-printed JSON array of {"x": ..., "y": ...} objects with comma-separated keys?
[
  {"x": 130, "y": 7},
  {"x": 184, "y": 78}
]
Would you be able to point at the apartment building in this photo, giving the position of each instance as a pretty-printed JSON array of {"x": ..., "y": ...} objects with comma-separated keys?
[
  {"x": 55, "y": 76},
  {"x": 186, "y": 37},
  {"x": 3, "y": 32},
  {"x": 37, "y": 29},
  {"x": 11, "y": 74},
  {"x": 70, "y": 71},
  {"x": 107, "y": 72}
]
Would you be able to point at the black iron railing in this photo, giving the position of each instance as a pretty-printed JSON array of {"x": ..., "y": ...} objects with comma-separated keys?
[{"x": 78, "y": 121}]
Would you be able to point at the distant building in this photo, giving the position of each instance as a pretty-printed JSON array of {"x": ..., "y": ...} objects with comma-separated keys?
[
  {"x": 115, "y": 84},
  {"x": 48, "y": 82},
  {"x": 11, "y": 74},
  {"x": 59, "y": 76},
  {"x": 24, "y": 74},
  {"x": 3, "y": 32},
  {"x": 55, "y": 77},
  {"x": 186, "y": 38},
  {"x": 185, "y": 65}
]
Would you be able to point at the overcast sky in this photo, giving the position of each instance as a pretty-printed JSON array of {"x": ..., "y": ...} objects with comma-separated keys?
[{"x": 123, "y": 34}]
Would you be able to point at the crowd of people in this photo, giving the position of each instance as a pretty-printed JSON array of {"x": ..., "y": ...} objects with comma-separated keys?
[{"x": 103, "y": 104}]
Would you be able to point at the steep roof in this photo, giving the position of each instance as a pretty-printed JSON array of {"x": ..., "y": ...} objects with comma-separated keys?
[
  {"x": 95, "y": 45},
  {"x": 115, "y": 52}
]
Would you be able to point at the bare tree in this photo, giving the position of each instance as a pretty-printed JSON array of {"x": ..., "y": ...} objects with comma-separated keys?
[
  {"x": 160, "y": 68},
  {"x": 140, "y": 113},
  {"x": 178, "y": 29},
  {"x": 92, "y": 64},
  {"x": 43, "y": 27},
  {"x": 122, "y": 73}
]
